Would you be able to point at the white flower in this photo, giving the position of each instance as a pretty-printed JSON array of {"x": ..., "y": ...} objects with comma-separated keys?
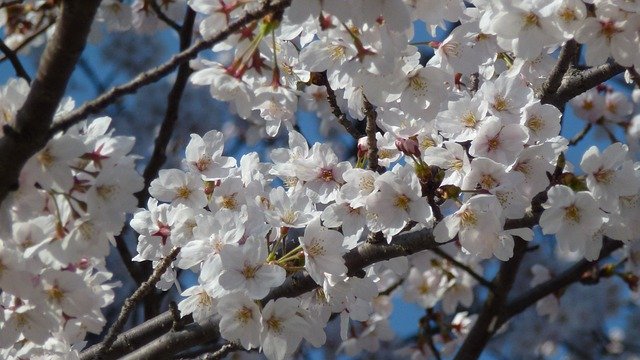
[
  {"x": 240, "y": 320},
  {"x": 204, "y": 155},
  {"x": 573, "y": 217},
  {"x": 425, "y": 288},
  {"x": 178, "y": 187},
  {"x": 479, "y": 224},
  {"x": 198, "y": 303},
  {"x": 323, "y": 250},
  {"x": 281, "y": 328},
  {"x": 244, "y": 269},
  {"x": 396, "y": 202},
  {"x": 542, "y": 121},
  {"x": 610, "y": 175},
  {"x": 463, "y": 118},
  {"x": 499, "y": 142}
]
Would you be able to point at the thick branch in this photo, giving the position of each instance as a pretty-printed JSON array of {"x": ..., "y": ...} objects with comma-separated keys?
[
  {"x": 554, "y": 81},
  {"x": 485, "y": 325},
  {"x": 371, "y": 130},
  {"x": 582, "y": 81},
  {"x": 176, "y": 341},
  {"x": 134, "y": 338},
  {"x": 56, "y": 65},
  {"x": 153, "y": 75}
]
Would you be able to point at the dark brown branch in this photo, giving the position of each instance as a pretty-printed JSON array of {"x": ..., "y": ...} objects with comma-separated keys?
[
  {"x": 225, "y": 350},
  {"x": 136, "y": 337},
  {"x": 582, "y": 81},
  {"x": 579, "y": 136},
  {"x": 564, "y": 279},
  {"x": 371, "y": 130},
  {"x": 321, "y": 80},
  {"x": 486, "y": 324},
  {"x": 634, "y": 76},
  {"x": 131, "y": 302},
  {"x": 554, "y": 80},
  {"x": 159, "y": 156},
  {"x": 29, "y": 39},
  {"x": 163, "y": 17},
  {"x": 157, "y": 73},
  {"x": 175, "y": 341},
  {"x": 362, "y": 256},
  {"x": 15, "y": 62},
  {"x": 58, "y": 61}
]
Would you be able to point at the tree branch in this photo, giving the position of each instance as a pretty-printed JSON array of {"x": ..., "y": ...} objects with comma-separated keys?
[
  {"x": 582, "y": 81},
  {"x": 131, "y": 302},
  {"x": 58, "y": 61},
  {"x": 155, "y": 74},
  {"x": 566, "y": 278},
  {"x": 164, "y": 18},
  {"x": 159, "y": 156},
  {"x": 579, "y": 136},
  {"x": 371, "y": 130},
  {"x": 484, "y": 282},
  {"x": 7, "y": 3},
  {"x": 136, "y": 337},
  {"x": 358, "y": 258},
  {"x": 486, "y": 325},
  {"x": 554, "y": 80},
  {"x": 29, "y": 39},
  {"x": 15, "y": 62},
  {"x": 321, "y": 80}
]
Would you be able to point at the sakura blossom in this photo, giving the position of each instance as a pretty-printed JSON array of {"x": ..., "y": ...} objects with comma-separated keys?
[{"x": 368, "y": 153}]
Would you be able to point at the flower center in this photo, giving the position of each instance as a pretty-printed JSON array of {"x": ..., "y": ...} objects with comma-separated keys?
[
  {"x": 183, "y": 192},
  {"x": 402, "y": 201},
  {"x": 572, "y": 213}
]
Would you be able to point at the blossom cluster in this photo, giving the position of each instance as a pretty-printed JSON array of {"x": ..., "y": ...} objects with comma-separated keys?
[
  {"x": 464, "y": 145},
  {"x": 464, "y": 148},
  {"x": 55, "y": 232}
]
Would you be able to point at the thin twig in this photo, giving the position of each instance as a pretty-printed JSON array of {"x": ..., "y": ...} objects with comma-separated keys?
[
  {"x": 610, "y": 133},
  {"x": 131, "y": 302},
  {"x": 159, "y": 72},
  {"x": 29, "y": 39},
  {"x": 175, "y": 314},
  {"x": 486, "y": 283},
  {"x": 371, "y": 130},
  {"x": 222, "y": 352},
  {"x": 579, "y": 136},
  {"x": 17, "y": 65},
  {"x": 322, "y": 80},
  {"x": 126, "y": 257},
  {"x": 163, "y": 17}
]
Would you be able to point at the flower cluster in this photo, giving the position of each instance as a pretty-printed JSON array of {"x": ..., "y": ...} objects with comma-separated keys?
[
  {"x": 464, "y": 146},
  {"x": 55, "y": 233}
]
